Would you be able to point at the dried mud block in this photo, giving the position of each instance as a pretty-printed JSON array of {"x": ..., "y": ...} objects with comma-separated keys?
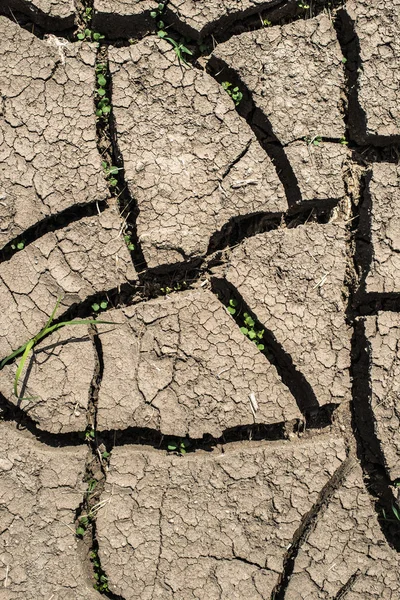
[
  {"x": 40, "y": 490},
  {"x": 190, "y": 161},
  {"x": 198, "y": 18},
  {"x": 84, "y": 258},
  {"x": 318, "y": 169},
  {"x": 55, "y": 383},
  {"x": 50, "y": 14},
  {"x": 377, "y": 25},
  {"x": 181, "y": 365},
  {"x": 346, "y": 551},
  {"x": 295, "y": 75},
  {"x": 208, "y": 527},
  {"x": 384, "y": 215},
  {"x": 123, "y": 18},
  {"x": 48, "y": 147},
  {"x": 383, "y": 335},
  {"x": 292, "y": 279}
]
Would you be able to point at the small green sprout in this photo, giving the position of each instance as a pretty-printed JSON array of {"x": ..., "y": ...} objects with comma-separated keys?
[
  {"x": 343, "y": 141},
  {"x": 266, "y": 22},
  {"x": 176, "y": 287},
  {"x": 179, "y": 48},
  {"x": 90, "y": 36},
  {"x": 110, "y": 172},
  {"x": 231, "y": 308},
  {"x": 249, "y": 330},
  {"x": 18, "y": 246},
  {"x": 103, "y": 105},
  {"x": 344, "y": 60},
  {"x": 315, "y": 141},
  {"x": 102, "y": 306},
  {"x": 105, "y": 454},
  {"x": 128, "y": 242},
  {"x": 234, "y": 93},
  {"x": 90, "y": 434},
  {"x": 84, "y": 521},
  {"x": 101, "y": 584},
  {"x": 158, "y": 11},
  {"x": 303, "y": 5},
  {"x": 179, "y": 446}
]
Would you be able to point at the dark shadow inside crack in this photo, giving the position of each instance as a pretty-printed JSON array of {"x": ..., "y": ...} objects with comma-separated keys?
[
  {"x": 11, "y": 413},
  {"x": 261, "y": 128},
  {"x": 50, "y": 224},
  {"x": 128, "y": 206},
  {"x": 31, "y": 17},
  {"x": 306, "y": 526},
  {"x": 356, "y": 118},
  {"x": 298, "y": 385},
  {"x": 369, "y": 451}
]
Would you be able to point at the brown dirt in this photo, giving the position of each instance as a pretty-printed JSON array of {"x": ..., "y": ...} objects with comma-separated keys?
[{"x": 211, "y": 468}]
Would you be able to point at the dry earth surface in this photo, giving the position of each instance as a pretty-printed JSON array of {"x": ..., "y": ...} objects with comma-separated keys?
[{"x": 217, "y": 185}]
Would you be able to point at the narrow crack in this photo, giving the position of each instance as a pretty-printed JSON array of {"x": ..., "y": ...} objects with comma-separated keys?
[
  {"x": 307, "y": 526},
  {"x": 347, "y": 586},
  {"x": 261, "y": 128},
  {"x": 50, "y": 224},
  {"x": 369, "y": 451},
  {"x": 299, "y": 387}
]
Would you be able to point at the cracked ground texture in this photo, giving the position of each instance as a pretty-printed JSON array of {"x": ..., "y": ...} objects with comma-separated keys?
[
  {"x": 47, "y": 129},
  {"x": 346, "y": 550},
  {"x": 55, "y": 382},
  {"x": 40, "y": 489},
  {"x": 208, "y": 527},
  {"x": 207, "y": 466},
  {"x": 181, "y": 365},
  {"x": 381, "y": 217},
  {"x": 190, "y": 161},
  {"x": 293, "y": 280},
  {"x": 376, "y": 26},
  {"x": 383, "y": 336},
  {"x": 71, "y": 263},
  {"x": 295, "y": 75},
  {"x": 57, "y": 14}
]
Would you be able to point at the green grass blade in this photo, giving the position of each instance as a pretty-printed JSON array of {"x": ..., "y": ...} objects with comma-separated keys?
[
  {"x": 13, "y": 355},
  {"x": 28, "y": 348},
  {"x": 49, "y": 322}
]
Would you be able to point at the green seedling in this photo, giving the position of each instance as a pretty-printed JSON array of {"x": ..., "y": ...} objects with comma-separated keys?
[
  {"x": 232, "y": 306},
  {"x": 250, "y": 330},
  {"x": 101, "y": 584},
  {"x": 110, "y": 172},
  {"x": 83, "y": 521},
  {"x": 315, "y": 141},
  {"x": 179, "y": 446},
  {"x": 26, "y": 348},
  {"x": 303, "y": 5},
  {"x": 128, "y": 242},
  {"x": 87, "y": 15},
  {"x": 105, "y": 454},
  {"x": 266, "y": 22},
  {"x": 179, "y": 48},
  {"x": 18, "y": 246},
  {"x": 103, "y": 105},
  {"x": 90, "y": 36},
  {"x": 102, "y": 306},
  {"x": 90, "y": 434},
  {"x": 155, "y": 14},
  {"x": 233, "y": 92},
  {"x": 176, "y": 288},
  {"x": 344, "y": 142},
  {"x": 344, "y": 60}
]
